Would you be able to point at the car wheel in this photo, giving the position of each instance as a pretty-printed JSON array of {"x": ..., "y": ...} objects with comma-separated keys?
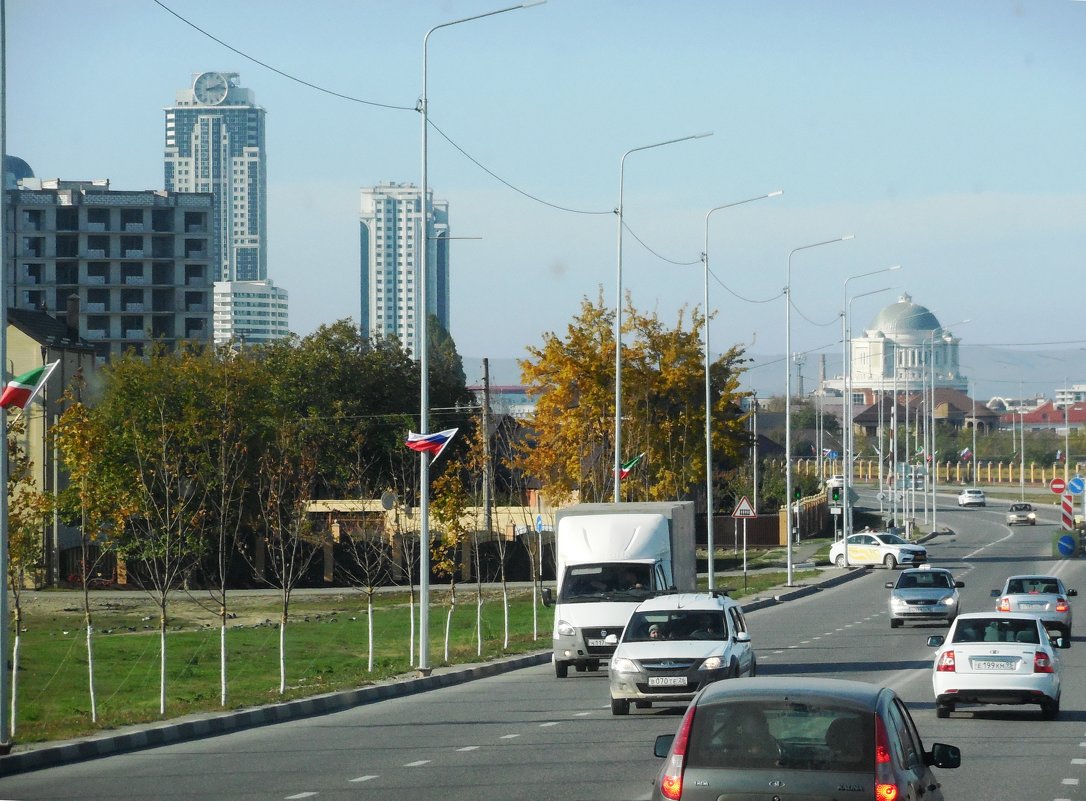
[
  {"x": 895, "y": 623},
  {"x": 840, "y": 560},
  {"x": 1050, "y": 709},
  {"x": 620, "y": 706},
  {"x": 890, "y": 561},
  {"x": 642, "y": 704},
  {"x": 753, "y": 667},
  {"x": 943, "y": 710},
  {"x": 561, "y": 669}
]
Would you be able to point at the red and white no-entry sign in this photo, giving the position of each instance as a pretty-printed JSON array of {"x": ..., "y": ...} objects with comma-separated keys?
[{"x": 1057, "y": 485}]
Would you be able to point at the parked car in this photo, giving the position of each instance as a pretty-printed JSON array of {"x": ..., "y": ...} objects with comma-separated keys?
[
  {"x": 878, "y": 548},
  {"x": 924, "y": 594},
  {"x": 792, "y": 738},
  {"x": 1021, "y": 513},
  {"x": 972, "y": 497},
  {"x": 991, "y": 658},
  {"x": 674, "y": 645},
  {"x": 1042, "y": 596}
]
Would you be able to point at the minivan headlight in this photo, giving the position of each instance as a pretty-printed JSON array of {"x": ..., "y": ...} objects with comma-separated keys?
[
  {"x": 621, "y": 664},
  {"x": 712, "y": 663},
  {"x": 565, "y": 629}
]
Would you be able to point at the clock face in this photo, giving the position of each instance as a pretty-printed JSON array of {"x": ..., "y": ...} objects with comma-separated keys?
[{"x": 210, "y": 88}]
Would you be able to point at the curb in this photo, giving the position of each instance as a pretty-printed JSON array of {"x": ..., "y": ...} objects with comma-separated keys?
[
  {"x": 50, "y": 756},
  {"x": 807, "y": 589}
]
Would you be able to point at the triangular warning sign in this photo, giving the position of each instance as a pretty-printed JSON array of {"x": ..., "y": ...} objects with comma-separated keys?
[{"x": 744, "y": 509}]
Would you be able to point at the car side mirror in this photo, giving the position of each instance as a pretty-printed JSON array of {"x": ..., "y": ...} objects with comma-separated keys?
[
  {"x": 1072, "y": 593},
  {"x": 663, "y": 745},
  {"x": 959, "y": 584},
  {"x": 995, "y": 593},
  {"x": 611, "y": 639},
  {"x": 944, "y": 756},
  {"x": 889, "y": 585},
  {"x": 742, "y": 636},
  {"x": 936, "y": 640},
  {"x": 548, "y": 597}
]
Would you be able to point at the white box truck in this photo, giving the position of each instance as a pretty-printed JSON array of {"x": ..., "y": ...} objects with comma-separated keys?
[{"x": 609, "y": 558}]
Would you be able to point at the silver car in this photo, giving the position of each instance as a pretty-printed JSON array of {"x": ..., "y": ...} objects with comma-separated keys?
[
  {"x": 924, "y": 594},
  {"x": 794, "y": 738},
  {"x": 1042, "y": 596},
  {"x": 1021, "y": 513}
]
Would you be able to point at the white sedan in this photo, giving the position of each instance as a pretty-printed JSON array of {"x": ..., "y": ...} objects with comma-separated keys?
[
  {"x": 993, "y": 658},
  {"x": 878, "y": 548}
]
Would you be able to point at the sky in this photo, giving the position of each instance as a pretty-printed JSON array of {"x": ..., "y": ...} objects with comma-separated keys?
[{"x": 944, "y": 135}]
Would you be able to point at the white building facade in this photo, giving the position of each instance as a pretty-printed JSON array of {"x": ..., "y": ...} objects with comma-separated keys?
[
  {"x": 215, "y": 144},
  {"x": 392, "y": 251},
  {"x": 249, "y": 312}
]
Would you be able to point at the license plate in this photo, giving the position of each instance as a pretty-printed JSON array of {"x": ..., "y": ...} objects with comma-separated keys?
[
  {"x": 1033, "y": 604},
  {"x": 992, "y": 665},
  {"x": 667, "y": 681},
  {"x": 597, "y": 643}
]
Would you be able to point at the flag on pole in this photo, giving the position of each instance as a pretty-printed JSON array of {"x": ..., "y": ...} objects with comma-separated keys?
[
  {"x": 430, "y": 443},
  {"x": 625, "y": 469},
  {"x": 829, "y": 453},
  {"x": 22, "y": 389},
  {"x": 965, "y": 455}
]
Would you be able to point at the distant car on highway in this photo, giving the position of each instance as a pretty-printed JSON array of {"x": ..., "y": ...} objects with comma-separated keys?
[
  {"x": 990, "y": 658},
  {"x": 792, "y": 738},
  {"x": 924, "y": 594},
  {"x": 1021, "y": 513},
  {"x": 878, "y": 548},
  {"x": 972, "y": 497},
  {"x": 1045, "y": 597},
  {"x": 835, "y": 481}
]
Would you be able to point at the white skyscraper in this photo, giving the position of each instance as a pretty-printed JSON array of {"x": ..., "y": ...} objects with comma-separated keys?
[
  {"x": 391, "y": 245},
  {"x": 215, "y": 143},
  {"x": 249, "y": 312}
]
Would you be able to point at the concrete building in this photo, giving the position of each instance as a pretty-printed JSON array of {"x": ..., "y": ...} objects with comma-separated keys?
[
  {"x": 392, "y": 243},
  {"x": 215, "y": 144},
  {"x": 249, "y": 312},
  {"x": 35, "y": 338},
  {"x": 121, "y": 268}
]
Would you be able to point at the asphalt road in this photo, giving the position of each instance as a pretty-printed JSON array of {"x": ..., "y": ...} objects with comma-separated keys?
[{"x": 528, "y": 735}]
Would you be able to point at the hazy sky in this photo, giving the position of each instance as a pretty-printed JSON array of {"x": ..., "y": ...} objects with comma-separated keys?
[{"x": 946, "y": 135}]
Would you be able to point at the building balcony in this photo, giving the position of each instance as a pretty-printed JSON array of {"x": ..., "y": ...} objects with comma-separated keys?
[
  {"x": 96, "y": 333},
  {"x": 134, "y": 333},
  {"x": 94, "y": 253},
  {"x": 134, "y": 227},
  {"x": 133, "y": 307},
  {"x": 133, "y": 254},
  {"x": 96, "y": 307},
  {"x": 96, "y": 279},
  {"x": 135, "y": 280}
]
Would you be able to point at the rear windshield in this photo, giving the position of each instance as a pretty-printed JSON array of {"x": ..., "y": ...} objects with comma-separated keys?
[
  {"x": 997, "y": 630},
  {"x": 782, "y": 734}
]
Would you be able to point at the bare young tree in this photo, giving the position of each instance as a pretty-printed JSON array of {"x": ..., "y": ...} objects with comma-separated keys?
[{"x": 368, "y": 568}]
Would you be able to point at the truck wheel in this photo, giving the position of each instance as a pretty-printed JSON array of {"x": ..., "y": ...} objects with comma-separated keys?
[
  {"x": 620, "y": 706},
  {"x": 561, "y": 669}
]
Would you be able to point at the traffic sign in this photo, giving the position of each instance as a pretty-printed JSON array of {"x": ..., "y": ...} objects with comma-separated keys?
[
  {"x": 539, "y": 523},
  {"x": 1057, "y": 485},
  {"x": 744, "y": 509},
  {"x": 1076, "y": 485}
]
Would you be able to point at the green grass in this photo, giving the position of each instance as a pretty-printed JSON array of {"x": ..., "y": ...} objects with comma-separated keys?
[{"x": 326, "y": 649}]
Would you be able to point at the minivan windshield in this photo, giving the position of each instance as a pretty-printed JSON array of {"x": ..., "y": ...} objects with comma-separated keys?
[{"x": 606, "y": 581}]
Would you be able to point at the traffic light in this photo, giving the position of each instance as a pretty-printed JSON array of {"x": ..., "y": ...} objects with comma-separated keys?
[
  {"x": 835, "y": 495},
  {"x": 797, "y": 494}
]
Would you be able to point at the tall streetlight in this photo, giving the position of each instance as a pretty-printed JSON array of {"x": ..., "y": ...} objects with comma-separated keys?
[
  {"x": 846, "y": 406},
  {"x": 422, "y": 313},
  {"x": 708, "y": 391},
  {"x": 788, "y": 392},
  {"x": 618, "y": 305},
  {"x": 931, "y": 416},
  {"x": 846, "y": 389}
]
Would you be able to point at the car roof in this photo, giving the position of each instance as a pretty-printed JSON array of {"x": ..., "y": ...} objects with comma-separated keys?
[
  {"x": 970, "y": 491},
  {"x": 804, "y": 688},
  {"x": 994, "y": 615},
  {"x": 925, "y": 570},
  {"x": 704, "y": 601},
  {"x": 1033, "y": 576}
]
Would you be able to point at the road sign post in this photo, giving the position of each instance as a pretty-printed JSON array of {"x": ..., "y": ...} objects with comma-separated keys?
[{"x": 744, "y": 510}]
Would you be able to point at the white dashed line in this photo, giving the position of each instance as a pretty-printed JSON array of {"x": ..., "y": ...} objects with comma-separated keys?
[
  {"x": 551, "y": 723},
  {"x": 300, "y": 795},
  {"x": 418, "y": 763},
  {"x": 362, "y": 779},
  {"x": 468, "y": 748},
  {"x": 1078, "y": 761},
  {"x": 581, "y": 714},
  {"x": 1070, "y": 781},
  {"x": 508, "y": 736}
]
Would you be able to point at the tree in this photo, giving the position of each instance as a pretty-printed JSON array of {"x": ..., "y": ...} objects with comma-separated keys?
[
  {"x": 448, "y": 505},
  {"x": 368, "y": 569}
]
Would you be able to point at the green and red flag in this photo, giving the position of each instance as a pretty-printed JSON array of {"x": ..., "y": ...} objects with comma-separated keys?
[
  {"x": 22, "y": 389},
  {"x": 625, "y": 469}
]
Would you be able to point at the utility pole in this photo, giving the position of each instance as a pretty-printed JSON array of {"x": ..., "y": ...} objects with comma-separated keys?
[{"x": 488, "y": 474}]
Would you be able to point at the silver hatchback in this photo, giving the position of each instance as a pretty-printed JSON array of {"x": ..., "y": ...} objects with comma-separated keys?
[{"x": 923, "y": 595}]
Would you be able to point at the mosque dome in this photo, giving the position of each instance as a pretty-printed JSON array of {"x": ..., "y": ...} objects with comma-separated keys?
[
  {"x": 905, "y": 317},
  {"x": 15, "y": 169}
]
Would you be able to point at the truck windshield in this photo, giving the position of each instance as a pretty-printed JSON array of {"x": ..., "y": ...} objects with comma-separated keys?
[{"x": 586, "y": 583}]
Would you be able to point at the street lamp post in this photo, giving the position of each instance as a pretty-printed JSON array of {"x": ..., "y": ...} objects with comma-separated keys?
[
  {"x": 708, "y": 392},
  {"x": 423, "y": 348},
  {"x": 618, "y": 305},
  {"x": 931, "y": 414},
  {"x": 846, "y": 406},
  {"x": 788, "y": 393}
]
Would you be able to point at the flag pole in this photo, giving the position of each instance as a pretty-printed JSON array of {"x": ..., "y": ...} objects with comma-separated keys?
[{"x": 5, "y": 687}]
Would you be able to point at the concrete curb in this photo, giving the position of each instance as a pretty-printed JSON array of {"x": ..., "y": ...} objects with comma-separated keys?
[{"x": 47, "y": 756}]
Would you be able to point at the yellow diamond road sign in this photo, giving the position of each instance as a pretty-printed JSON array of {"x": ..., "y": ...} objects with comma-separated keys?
[{"x": 744, "y": 509}]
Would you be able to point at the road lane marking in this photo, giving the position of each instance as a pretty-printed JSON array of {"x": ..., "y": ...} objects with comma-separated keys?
[
  {"x": 581, "y": 714},
  {"x": 1078, "y": 761},
  {"x": 468, "y": 748},
  {"x": 545, "y": 725},
  {"x": 418, "y": 763},
  {"x": 300, "y": 795},
  {"x": 508, "y": 736},
  {"x": 362, "y": 778},
  {"x": 1069, "y": 781}
]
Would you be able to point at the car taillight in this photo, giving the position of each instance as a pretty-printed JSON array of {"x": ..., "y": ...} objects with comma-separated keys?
[
  {"x": 885, "y": 786},
  {"x": 1042, "y": 663},
  {"x": 946, "y": 662},
  {"x": 1004, "y": 604},
  {"x": 1062, "y": 605},
  {"x": 671, "y": 783}
]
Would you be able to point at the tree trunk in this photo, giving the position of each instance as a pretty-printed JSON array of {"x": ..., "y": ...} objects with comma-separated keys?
[
  {"x": 283, "y": 653},
  {"x": 411, "y": 615},
  {"x": 162, "y": 663},
  {"x": 479, "y": 624},
  {"x": 222, "y": 656},
  {"x": 505, "y": 613},
  {"x": 369, "y": 632},
  {"x": 90, "y": 670},
  {"x": 15, "y": 676}
]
